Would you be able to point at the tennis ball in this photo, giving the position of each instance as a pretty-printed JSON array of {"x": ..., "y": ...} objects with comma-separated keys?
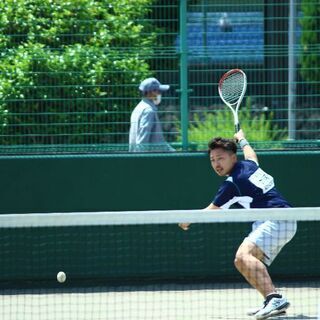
[{"x": 61, "y": 277}]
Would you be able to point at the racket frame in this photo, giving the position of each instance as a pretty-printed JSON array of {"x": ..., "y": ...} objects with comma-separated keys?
[{"x": 238, "y": 102}]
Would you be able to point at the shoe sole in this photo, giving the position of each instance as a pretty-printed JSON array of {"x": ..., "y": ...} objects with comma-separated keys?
[
  {"x": 282, "y": 313},
  {"x": 253, "y": 312},
  {"x": 277, "y": 312}
]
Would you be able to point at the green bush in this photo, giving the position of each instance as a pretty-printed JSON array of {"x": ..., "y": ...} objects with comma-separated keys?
[
  {"x": 64, "y": 67},
  {"x": 258, "y": 128}
]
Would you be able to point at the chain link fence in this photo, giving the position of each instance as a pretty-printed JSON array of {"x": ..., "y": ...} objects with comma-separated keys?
[{"x": 70, "y": 71}]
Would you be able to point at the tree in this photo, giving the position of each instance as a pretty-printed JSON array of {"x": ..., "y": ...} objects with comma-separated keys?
[
  {"x": 69, "y": 69},
  {"x": 310, "y": 39}
]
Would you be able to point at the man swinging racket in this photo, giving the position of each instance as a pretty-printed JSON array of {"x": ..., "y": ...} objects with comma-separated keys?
[{"x": 250, "y": 187}]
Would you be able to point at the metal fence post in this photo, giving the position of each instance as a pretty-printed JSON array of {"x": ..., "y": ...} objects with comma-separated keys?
[
  {"x": 292, "y": 87},
  {"x": 184, "y": 75}
]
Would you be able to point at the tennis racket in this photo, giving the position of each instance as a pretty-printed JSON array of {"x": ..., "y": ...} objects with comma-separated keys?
[{"x": 232, "y": 88}]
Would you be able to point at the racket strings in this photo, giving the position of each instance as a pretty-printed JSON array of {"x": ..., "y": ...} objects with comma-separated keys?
[{"x": 232, "y": 87}]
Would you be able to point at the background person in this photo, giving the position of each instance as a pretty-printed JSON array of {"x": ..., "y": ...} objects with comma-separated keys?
[
  {"x": 225, "y": 23},
  {"x": 146, "y": 132}
]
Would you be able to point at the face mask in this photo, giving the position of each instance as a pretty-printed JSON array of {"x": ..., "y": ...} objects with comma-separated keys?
[{"x": 157, "y": 99}]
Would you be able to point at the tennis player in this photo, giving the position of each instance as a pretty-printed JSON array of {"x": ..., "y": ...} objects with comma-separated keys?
[{"x": 248, "y": 186}]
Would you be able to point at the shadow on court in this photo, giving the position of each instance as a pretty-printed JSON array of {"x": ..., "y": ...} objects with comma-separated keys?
[{"x": 296, "y": 317}]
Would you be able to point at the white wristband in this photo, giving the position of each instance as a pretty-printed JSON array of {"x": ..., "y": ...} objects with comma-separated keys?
[{"x": 243, "y": 143}]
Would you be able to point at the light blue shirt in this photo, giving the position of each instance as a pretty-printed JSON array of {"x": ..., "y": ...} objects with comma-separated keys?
[{"x": 145, "y": 129}]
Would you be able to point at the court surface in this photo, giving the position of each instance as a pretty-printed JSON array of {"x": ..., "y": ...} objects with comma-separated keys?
[{"x": 152, "y": 302}]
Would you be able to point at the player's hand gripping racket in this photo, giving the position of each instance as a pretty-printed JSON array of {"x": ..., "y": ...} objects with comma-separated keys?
[{"x": 232, "y": 87}]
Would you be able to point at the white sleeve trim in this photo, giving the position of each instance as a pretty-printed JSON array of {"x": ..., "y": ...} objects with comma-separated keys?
[{"x": 243, "y": 201}]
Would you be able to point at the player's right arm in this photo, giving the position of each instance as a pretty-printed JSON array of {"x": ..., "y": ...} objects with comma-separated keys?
[
  {"x": 185, "y": 226},
  {"x": 211, "y": 206},
  {"x": 248, "y": 152},
  {"x": 225, "y": 193}
]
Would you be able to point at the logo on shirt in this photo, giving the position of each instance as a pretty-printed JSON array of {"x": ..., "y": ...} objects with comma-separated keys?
[{"x": 262, "y": 180}]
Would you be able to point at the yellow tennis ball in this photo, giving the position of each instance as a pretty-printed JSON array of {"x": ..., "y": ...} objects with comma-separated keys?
[{"x": 61, "y": 277}]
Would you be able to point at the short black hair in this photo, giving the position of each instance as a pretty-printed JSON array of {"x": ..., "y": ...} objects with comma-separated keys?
[{"x": 222, "y": 143}]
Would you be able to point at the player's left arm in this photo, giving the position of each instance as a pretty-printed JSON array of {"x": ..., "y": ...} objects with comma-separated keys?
[{"x": 249, "y": 153}]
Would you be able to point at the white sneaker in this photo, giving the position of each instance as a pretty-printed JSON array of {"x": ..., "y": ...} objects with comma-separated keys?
[
  {"x": 274, "y": 307},
  {"x": 254, "y": 311}
]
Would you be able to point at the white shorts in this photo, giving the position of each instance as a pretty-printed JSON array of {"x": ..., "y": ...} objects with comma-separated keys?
[{"x": 271, "y": 237}]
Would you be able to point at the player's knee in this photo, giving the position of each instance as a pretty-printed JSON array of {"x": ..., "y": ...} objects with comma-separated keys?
[{"x": 240, "y": 260}]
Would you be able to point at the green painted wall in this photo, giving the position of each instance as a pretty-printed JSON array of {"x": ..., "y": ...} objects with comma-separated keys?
[{"x": 126, "y": 182}]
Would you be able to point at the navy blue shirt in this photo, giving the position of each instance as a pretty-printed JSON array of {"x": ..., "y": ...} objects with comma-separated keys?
[{"x": 250, "y": 187}]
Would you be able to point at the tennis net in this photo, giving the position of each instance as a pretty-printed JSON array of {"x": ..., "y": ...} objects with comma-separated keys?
[{"x": 141, "y": 265}]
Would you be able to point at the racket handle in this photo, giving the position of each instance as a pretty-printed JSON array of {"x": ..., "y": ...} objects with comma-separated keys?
[{"x": 237, "y": 127}]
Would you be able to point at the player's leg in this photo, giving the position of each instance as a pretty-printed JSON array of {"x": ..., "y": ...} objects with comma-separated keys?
[
  {"x": 265, "y": 242},
  {"x": 249, "y": 263}
]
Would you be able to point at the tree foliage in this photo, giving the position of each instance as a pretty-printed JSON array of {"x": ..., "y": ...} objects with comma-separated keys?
[
  {"x": 64, "y": 66},
  {"x": 310, "y": 39}
]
